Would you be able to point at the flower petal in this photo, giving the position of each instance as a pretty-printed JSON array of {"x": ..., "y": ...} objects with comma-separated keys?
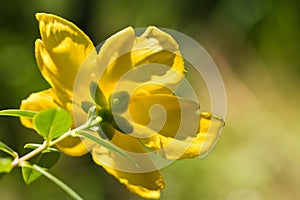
[
  {"x": 72, "y": 146},
  {"x": 146, "y": 184},
  {"x": 174, "y": 129},
  {"x": 44, "y": 100},
  {"x": 153, "y": 57},
  {"x": 157, "y": 47},
  {"x": 167, "y": 114},
  {"x": 61, "y": 51},
  {"x": 199, "y": 146},
  {"x": 114, "y": 58},
  {"x": 37, "y": 102}
]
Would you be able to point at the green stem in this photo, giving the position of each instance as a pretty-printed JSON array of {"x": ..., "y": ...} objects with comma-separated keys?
[
  {"x": 20, "y": 161},
  {"x": 46, "y": 144},
  {"x": 55, "y": 180},
  {"x": 62, "y": 137},
  {"x": 74, "y": 132}
]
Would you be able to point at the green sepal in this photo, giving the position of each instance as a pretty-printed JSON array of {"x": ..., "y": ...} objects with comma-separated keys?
[
  {"x": 119, "y": 102},
  {"x": 107, "y": 129},
  {"x": 52, "y": 123},
  {"x": 105, "y": 114},
  {"x": 97, "y": 95},
  {"x": 86, "y": 105},
  {"x": 121, "y": 124}
]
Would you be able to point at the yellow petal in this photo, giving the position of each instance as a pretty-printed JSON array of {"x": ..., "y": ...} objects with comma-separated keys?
[
  {"x": 209, "y": 131},
  {"x": 173, "y": 126},
  {"x": 146, "y": 184},
  {"x": 153, "y": 57},
  {"x": 61, "y": 51},
  {"x": 169, "y": 115},
  {"x": 44, "y": 100},
  {"x": 136, "y": 182},
  {"x": 210, "y": 128},
  {"x": 38, "y": 102},
  {"x": 157, "y": 47},
  {"x": 114, "y": 57},
  {"x": 72, "y": 146}
]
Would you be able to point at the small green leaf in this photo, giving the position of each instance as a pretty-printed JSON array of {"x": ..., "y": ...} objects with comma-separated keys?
[
  {"x": 46, "y": 159},
  {"x": 7, "y": 149},
  {"x": 52, "y": 123},
  {"x": 30, "y": 175},
  {"x": 106, "y": 144},
  {"x": 5, "y": 165},
  {"x": 18, "y": 113},
  {"x": 97, "y": 95}
]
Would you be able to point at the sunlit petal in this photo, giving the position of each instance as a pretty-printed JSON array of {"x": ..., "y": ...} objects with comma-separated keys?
[
  {"x": 155, "y": 51},
  {"x": 38, "y": 102},
  {"x": 156, "y": 46},
  {"x": 199, "y": 146},
  {"x": 61, "y": 51},
  {"x": 167, "y": 114},
  {"x": 173, "y": 126},
  {"x": 114, "y": 57},
  {"x": 145, "y": 184},
  {"x": 72, "y": 146}
]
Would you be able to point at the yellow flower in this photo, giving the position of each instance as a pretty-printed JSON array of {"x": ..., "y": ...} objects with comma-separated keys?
[{"x": 60, "y": 53}]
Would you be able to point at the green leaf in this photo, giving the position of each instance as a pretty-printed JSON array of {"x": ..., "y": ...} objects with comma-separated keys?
[
  {"x": 5, "y": 165},
  {"x": 7, "y": 149},
  {"x": 46, "y": 159},
  {"x": 55, "y": 180},
  {"x": 97, "y": 95},
  {"x": 30, "y": 175},
  {"x": 106, "y": 144},
  {"x": 52, "y": 123},
  {"x": 18, "y": 113}
]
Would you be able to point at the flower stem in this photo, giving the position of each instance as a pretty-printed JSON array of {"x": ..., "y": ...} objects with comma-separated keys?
[{"x": 62, "y": 137}]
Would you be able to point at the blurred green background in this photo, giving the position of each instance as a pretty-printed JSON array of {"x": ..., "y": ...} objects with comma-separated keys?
[{"x": 256, "y": 46}]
